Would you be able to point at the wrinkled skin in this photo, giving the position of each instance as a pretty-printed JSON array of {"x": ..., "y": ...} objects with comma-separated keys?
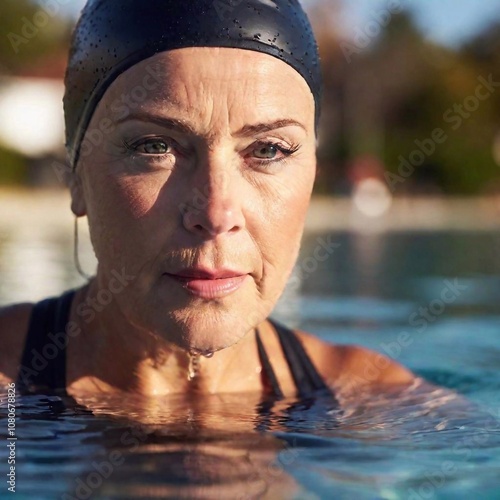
[{"x": 209, "y": 200}]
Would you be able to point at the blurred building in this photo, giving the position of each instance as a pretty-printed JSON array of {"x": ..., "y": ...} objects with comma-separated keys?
[{"x": 32, "y": 117}]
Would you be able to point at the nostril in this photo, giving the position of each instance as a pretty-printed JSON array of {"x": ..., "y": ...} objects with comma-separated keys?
[{"x": 213, "y": 221}]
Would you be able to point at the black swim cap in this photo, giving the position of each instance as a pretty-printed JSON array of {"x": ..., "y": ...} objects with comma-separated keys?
[{"x": 113, "y": 35}]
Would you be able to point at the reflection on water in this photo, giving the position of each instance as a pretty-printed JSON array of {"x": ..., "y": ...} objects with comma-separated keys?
[
  {"x": 37, "y": 261},
  {"x": 215, "y": 447},
  {"x": 30, "y": 267},
  {"x": 442, "y": 289}
]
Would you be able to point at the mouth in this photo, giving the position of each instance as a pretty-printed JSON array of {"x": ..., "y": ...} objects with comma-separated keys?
[{"x": 209, "y": 284}]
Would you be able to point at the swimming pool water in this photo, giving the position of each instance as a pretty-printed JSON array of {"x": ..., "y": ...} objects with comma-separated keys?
[{"x": 439, "y": 291}]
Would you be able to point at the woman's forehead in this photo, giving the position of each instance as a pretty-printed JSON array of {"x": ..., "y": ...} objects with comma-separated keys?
[{"x": 227, "y": 81}]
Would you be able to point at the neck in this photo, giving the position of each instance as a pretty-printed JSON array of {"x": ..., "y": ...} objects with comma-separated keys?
[{"x": 122, "y": 357}]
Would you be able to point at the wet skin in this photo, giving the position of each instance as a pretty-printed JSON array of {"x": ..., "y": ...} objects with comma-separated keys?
[{"x": 198, "y": 193}]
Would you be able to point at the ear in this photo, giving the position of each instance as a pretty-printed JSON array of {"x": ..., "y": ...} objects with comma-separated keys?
[{"x": 78, "y": 206}]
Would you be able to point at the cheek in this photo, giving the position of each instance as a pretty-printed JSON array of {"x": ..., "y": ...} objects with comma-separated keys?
[
  {"x": 121, "y": 216},
  {"x": 282, "y": 221},
  {"x": 287, "y": 227},
  {"x": 290, "y": 197},
  {"x": 136, "y": 196}
]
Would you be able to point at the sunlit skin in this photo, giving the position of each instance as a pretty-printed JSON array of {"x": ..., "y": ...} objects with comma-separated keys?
[{"x": 213, "y": 169}]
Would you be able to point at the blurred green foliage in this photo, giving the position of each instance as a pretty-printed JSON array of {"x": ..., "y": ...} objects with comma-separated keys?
[
  {"x": 30, "y": 31},
  {"x": 31, "y": 36},
  {"x": 387, "y": 99},
  {"x": 13, "y": 168}
]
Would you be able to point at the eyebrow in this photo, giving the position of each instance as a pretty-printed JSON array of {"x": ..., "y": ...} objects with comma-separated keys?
[
  {"x": 172, "y": 123},
  {"x": 182, "y": 126},
  {"x": 248, "y": 130}
]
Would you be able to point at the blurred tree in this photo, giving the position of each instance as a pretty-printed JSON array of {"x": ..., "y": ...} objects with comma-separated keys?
[
  {"x": 30, "y": 31},
  {"x": 34, "y": 40},
  {"x": 332, "y": 152},
  {"x": 390, "y": 95}
]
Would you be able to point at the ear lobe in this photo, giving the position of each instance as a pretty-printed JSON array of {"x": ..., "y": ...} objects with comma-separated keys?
[{"x": 78, "y": 206}]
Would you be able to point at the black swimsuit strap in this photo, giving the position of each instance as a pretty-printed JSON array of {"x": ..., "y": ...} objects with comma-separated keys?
[
  {"x": 307, "y": 379},
  {"x": 43, "y": 362},
  {"x": 268, "y": 368}
]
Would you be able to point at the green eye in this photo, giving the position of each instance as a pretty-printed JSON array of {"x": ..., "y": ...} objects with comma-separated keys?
[{"x": 267, "y": 152}]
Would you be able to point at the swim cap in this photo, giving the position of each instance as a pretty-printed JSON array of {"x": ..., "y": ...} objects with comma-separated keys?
[{"x": 113, "y": 35}]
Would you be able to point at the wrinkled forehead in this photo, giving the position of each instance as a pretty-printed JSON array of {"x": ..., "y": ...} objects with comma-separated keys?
[{"x": 215, "y": 84}]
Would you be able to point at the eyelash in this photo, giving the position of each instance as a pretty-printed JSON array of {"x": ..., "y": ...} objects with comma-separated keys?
[
  {"x": 287, "y": 152},
  {"x": 131, "y": 148}
]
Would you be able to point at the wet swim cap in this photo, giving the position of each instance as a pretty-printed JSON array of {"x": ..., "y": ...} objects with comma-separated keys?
[{"x": 113, "y": 35}]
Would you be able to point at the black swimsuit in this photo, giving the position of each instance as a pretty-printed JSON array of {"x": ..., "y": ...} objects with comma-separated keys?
[{"x": 43, "y": 363}]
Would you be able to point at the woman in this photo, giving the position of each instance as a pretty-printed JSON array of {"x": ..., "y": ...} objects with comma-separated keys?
[{"x": 191, "y": 129}]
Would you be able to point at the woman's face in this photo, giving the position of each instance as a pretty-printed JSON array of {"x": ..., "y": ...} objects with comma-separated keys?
[{"x": 196, "y": 174}]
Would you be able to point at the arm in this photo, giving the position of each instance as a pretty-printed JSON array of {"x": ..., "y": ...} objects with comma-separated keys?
[
  {"x": 357, "y": 373},
  {"x": 349, "y": 367},
  {"x": 14, "y": 321}
]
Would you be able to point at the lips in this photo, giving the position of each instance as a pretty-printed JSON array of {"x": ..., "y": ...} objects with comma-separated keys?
[
  {"x": 207, "y": 283},
  {"x": 206, "y": 274}
]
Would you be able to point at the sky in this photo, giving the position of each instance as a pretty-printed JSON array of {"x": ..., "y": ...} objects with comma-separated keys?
[{"x": 449, "y": 22}]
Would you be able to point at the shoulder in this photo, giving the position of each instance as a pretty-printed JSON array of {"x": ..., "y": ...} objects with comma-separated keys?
[
  {"x": 14, "y": 322},
  {"x": 352, "y": 366}
]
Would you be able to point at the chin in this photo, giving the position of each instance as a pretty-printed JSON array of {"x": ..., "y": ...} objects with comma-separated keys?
[
  {"x": 211, "y": 344},
  {"x": 203, "y": 326},
  {"x": 205, "y": 332}
]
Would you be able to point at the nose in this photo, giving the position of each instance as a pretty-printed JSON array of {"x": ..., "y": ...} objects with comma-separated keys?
[{"x": 214, "y": 206}]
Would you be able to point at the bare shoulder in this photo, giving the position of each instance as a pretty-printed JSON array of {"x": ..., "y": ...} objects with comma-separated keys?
[
  {"x": 14, "y": 321},
  {"x": 354, "y": 366}
]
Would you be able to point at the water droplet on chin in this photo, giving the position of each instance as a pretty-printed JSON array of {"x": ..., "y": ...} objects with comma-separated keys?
[
  {"x": 194, "y": 360},
  {"x": 208, "y": 355}
]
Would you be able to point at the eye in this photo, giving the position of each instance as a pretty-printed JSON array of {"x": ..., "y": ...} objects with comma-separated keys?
[
  {"x": 153, "y": 147},
  {"x": 266, "y": 152}
]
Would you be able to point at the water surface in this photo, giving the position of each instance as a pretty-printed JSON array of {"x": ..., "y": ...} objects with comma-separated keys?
[{"x": 370, "y": 290}]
